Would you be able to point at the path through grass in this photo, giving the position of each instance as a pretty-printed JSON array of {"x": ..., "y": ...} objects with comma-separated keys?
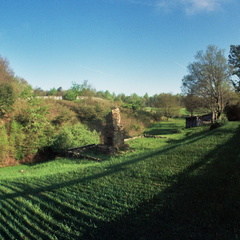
[{"x": 179, "y": 188}]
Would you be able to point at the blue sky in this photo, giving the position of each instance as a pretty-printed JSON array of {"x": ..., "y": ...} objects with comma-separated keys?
[{"x": 124, "y": 46}]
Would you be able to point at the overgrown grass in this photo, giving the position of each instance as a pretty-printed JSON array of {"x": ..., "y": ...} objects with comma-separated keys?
[{"x": 186, "y": 187}]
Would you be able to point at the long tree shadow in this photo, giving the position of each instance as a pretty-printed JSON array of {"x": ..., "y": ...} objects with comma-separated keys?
[
  {"x": 204, "y": 203},
  {"x": 186, "y": 210}
]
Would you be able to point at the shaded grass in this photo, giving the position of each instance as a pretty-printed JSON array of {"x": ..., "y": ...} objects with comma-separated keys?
[
  {"x": 167, "y": 128},
  {"x": 185, "y": 188}
]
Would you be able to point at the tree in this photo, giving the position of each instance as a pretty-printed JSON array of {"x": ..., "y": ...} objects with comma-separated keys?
[
  {"x": 192, "y": 103},
  {"x": 84, "y": 89},
  {"x": 209, "y": 78},
  {"x": 52, "y": 92},
  {"x": 70, "y": 95},
  {"x": 6, "y": 73},
  {"x": 27, "y": 92},
  {"x": 39, "y": 92},
  {"x": 7, "y": 98},
  {"x": 234, "y": 61},
  {"x": 169, "y": 104}
]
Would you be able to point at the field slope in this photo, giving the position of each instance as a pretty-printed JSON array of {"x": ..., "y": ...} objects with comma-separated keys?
[{"x": 164, "y": 188}]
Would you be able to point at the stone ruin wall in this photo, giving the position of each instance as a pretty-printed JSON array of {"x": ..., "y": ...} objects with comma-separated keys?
[{"x": 113, "y": 133}]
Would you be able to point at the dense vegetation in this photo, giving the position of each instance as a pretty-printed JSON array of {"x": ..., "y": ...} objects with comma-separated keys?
[{"x": 185, "y": 186}]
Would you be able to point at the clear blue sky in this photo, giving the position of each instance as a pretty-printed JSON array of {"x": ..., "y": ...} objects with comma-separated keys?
[{"x": 124, "y": 46}]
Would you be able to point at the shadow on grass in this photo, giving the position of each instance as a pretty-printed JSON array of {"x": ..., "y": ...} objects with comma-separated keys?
[
  {"x": 164, "y": 128},
  {"x": 26, "y": 189},
  {"x": 203, "y": 203}
]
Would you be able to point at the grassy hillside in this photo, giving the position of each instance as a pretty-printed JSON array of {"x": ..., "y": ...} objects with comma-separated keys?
[{"x": 185, "y": 186}]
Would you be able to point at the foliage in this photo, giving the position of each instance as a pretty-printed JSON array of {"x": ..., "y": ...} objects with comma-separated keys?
[
  {"x": 16, "y": 139},
  {"x": 6, "y": 73},
  {"x": 193, "y": 103},
  {"x": 35, "y": 126},
  {"x": 218, "y": 123},
  {"x": 209, "y": 78},
  {"x": 27, "y": 92},
  {"x": 4, "y": 144},
  {"x": 168, "y": 104},
  {"x": 133, "y": 102},
  {"x": 74, "y": 136},
  {"x": 7, "y": 98},
  {"x": 70, "y": 95},
  {"x": 84, "y": 89},
  {"x": 52, "y": 92},
  {"x": 232, "y": 111},
  {"x": 234, "y": 61},
  {"x": 39, "y": 92}
]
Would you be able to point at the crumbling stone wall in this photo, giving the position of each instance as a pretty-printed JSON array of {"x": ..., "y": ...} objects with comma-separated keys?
[{"x": 113, "y": 133}]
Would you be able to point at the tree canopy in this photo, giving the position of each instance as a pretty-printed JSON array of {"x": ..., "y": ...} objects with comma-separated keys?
[
  {"x": 234, "y": 61},
  {"x": 209, "y": 78}
]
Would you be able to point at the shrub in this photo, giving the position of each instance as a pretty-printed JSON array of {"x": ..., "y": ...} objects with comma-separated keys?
[
  {"x": 4, "y": 144},
  {"x": 70, "y": 95},
  {"x": 218, "y": 123},
  {"x": 74, "y": 136},
  {"x": 233, "y": 112},
  {"x": 16, "y": 139}
]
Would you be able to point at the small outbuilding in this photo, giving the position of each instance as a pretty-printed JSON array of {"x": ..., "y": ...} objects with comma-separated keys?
[
  {"x": 193, "y": 122},
  {"x": 196, "y": 121}
]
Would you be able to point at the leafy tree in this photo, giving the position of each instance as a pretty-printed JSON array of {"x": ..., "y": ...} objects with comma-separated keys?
[
  {"x": 107, "y": 95},
  {"x": 39, "y": 92},
  {"x": 193, "y": 103},
  {"x": 52, "y": 92},
  {"x": 26, "y": 92},
  {"x": 146, "y": 100},
  {"x": 70, "y": 95},
  {"x": 234, "y": 61},
  {"x": 209, "y": 78},
  {"x": 60, "y": 91},
  {"x": 84, "y": 89},
  {"x": 168, "y": 104},
  {"x": 6, "y": 73},
  {"x": 7, "y": 98}
]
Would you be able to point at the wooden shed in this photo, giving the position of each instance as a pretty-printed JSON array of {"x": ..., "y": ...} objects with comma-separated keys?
[
  {"x": 196, "y": 121},
  {"x": 193, "y": 121}
]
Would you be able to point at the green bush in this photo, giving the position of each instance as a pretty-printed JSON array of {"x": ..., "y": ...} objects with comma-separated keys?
[
  {"x": 74, "y": 136},
  {"x": 4, "y": 144},
  {"x": 218, "y": 123},
  {"x": 233, "y": 112},
  {"x": 16, "y": 140},
  {"x": 70, "y": 95}
]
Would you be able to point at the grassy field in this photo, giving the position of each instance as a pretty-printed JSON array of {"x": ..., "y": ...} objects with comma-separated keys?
[{"x": 185, "y": 186}]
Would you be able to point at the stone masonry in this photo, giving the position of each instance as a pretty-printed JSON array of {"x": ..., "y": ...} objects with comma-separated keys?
[{"x": 113, "y": 133}]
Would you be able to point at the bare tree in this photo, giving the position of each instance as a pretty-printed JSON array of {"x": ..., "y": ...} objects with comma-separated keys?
[{"x": 209, "y": 78}]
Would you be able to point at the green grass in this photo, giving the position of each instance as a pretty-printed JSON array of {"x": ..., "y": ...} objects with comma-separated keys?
[
  {"x": 184, "y": 187},
  {"x": 170, "y": 128}
]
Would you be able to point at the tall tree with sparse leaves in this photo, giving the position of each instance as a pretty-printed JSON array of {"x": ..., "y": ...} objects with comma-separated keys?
[{"x": 209, "y": 78}]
